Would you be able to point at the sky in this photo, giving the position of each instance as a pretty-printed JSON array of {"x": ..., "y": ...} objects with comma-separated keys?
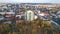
[{"x": 29, "y": 1}]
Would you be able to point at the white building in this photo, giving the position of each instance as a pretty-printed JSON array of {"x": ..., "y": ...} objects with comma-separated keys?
[{"x": 29, "y": 15}]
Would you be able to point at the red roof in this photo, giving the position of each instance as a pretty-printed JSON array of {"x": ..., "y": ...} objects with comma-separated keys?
[
  {"x": 45, "y": 13},
  {"x": 8, "y": 15}
]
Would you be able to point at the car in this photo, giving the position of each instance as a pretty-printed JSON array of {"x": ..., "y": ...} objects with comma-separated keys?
[
  {"x": 9, "y": 22},
  {"x": 9, "y": 18},
  {"x": 45, "y": 18},
  {"x": 1, "y": 17},
  {"x": 19, "y": 17},
  {"x": 57, "y": 20}
]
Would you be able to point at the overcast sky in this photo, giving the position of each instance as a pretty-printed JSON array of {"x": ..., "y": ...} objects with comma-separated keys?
[{"x": 29, "y": 1}]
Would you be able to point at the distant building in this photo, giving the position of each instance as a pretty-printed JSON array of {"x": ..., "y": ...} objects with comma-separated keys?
[
  {"x": 43, "y": 13},
  {"x": 29, "y": 15}
]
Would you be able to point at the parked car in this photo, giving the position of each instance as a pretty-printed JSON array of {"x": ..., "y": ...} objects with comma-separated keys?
[
  {"x": 1, "y": 17},
  {"x": 45, "y": 18},
  {"x": 57, "y": 20},
  {"x": 19, "y": 17}
]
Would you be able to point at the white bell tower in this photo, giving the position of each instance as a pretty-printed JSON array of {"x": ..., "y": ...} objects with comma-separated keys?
[{"x": 29, "y": 15}]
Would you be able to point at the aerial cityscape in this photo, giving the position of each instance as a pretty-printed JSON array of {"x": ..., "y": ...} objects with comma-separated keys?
[{"x": 29, "y": 18}]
